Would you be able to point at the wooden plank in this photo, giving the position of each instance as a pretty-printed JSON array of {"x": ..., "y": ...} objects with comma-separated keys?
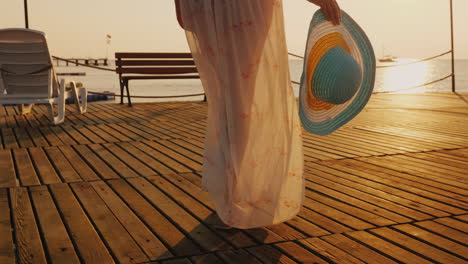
[
  {"x": 7, "y": 248},
  {"x": 152, "y": 149},
  {"x": 150, "y": 244},
  {"x": 369, "y": 187},
  {"x": 337, "y": 215},
  {"x": 23, "y": 138},
  {"x": 77, "y": 136},
  {"x": 424, "y": 204},
  {"x": 59, "y": 246},
  {"x": 121, "y": 168},
  {"x": 116, "y": 134},
  {"x": 147, "y": 131},
  {"x": 328, "y": 251},
  {"x": 444, "y": 231},
  {"x": 269, "y": 254},
  {"x": 87, "y": 241},
  {"x": 104, "y": 135},
  {"x": 203, "y": 214},
  {"x": 8, "y": 175},
  {"x": 63, "y": 136},
  {"x": 363, "y": 200},
  {"x": 99, "y": 166},
  {"x": 119, "y": 240},
  {"x": 417, "y": 246},
  {"x": 26, "y": 172},
  {"x": 43, "y": 166},
  {"x": 28, "y": 241},
  {"x": 381, "y": 245},
  {"x": 237, "y": 256},
  {"x": 147, "y": 158},
  {"x": 324, "y": 222},
  {"x": 128, "y": 133},
  {"x": 94, "y": 138},
  {"x": 462, "y": 217},
  {"x": 306, "y": 227},
  {"x": 38, "y": 138},
  {"x": 141, "y": 134},
  {"x": 442, "y": 174},
  {"x": 453, "y": 223},
  {"x": 129, "y": 160},
  {"x": 174, "y": 151},
  {"x": 80, "y": 166},
  {"x": 9, "y": 140},
  {"x": 356, "y": 249},
  {"x": 196, "y": 157},
  {"x": 424, "y": 184},
  {"x": 50, "y": 136},
  {"x": 190, "y": 183},
  {"x": 350, "y": 208},
  {"x": 176, "y": 261},
  {"x": 160, "y": 224},
  {"x": 193, "y": 228},
  {"x": 299, "y": 253},
  {"x": 64, "y": 168},
  {"x": 206, "y": 259},
  {"x": 434, "y": 239}
]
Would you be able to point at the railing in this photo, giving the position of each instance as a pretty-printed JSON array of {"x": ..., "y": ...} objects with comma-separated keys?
[{"x": 295, "y": 82}]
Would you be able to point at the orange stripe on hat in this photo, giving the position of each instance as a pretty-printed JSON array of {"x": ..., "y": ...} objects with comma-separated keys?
[{"x": 321, "y": 47}]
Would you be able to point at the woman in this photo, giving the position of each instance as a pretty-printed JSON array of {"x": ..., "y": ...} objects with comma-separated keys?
[{"x": 253, "y": 158}]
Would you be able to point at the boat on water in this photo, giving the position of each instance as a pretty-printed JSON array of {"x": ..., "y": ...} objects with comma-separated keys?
[{"x": 388, "y": 58}]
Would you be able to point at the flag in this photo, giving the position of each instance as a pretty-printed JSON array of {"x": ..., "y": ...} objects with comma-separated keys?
[{"x": 108, "y": 38}]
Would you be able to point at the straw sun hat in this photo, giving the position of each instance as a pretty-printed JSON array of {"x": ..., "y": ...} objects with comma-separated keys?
[{"x": 338, "y": 76}]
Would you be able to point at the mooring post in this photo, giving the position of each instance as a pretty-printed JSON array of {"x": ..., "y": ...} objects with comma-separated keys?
[
  {"x": 453, "y": 51},
  {"x": 26, "y": 17}
]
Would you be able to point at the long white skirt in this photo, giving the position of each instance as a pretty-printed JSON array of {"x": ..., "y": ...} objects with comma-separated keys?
[{"x": 253, "y": 157}]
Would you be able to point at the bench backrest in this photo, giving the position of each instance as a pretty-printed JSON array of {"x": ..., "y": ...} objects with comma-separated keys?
[{"x": 157, "y": 63}]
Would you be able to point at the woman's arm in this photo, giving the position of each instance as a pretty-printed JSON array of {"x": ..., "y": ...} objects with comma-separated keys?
[{"x": 330, "y": 9}]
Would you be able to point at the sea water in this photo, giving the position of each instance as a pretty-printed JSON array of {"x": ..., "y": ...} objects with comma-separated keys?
[{"x": 400, "y": 79}]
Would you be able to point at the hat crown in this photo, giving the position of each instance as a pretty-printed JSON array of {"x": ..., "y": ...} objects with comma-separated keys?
[{"x": 337, "y": 77}]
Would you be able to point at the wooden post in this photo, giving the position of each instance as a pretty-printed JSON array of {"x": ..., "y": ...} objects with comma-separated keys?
[
  {"x": 453, "y": 51},
  {"x": 26, "y": 19}
]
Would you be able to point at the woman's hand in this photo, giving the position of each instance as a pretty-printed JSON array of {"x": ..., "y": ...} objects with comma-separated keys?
[{"x": 330, "y": 9}]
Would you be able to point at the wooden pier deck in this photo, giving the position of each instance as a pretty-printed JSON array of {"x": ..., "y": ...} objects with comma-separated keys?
[{"x": 122, "y": 185}]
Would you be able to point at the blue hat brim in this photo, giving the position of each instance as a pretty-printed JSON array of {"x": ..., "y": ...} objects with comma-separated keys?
[{"x": 368, "y": 69}]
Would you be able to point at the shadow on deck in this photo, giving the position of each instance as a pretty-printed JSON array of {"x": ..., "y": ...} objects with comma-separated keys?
[{"x": 122, "y": 185}]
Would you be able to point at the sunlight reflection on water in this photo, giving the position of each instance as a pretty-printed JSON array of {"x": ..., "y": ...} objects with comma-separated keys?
[{"x": 403, "y": 77}]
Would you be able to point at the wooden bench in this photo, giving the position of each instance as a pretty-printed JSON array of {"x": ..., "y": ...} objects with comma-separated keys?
[{"x": 146, "y": 66}]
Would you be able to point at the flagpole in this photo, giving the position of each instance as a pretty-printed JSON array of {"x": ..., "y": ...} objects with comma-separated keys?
[
  {"x": 453, "y": 51},
  {"x": 26, "y": 13}
]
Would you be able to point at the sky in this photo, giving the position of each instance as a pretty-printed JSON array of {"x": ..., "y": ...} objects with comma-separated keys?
[{"x": 403, "y": 28}]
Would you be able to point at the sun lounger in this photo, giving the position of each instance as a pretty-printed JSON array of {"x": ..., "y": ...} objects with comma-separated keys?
[{"x": 27, "y": 75}]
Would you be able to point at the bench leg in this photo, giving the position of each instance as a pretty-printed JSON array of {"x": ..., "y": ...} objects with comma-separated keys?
[
  {"x": 121, "y": 91},
  {"x": 128, "y": 94}
]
